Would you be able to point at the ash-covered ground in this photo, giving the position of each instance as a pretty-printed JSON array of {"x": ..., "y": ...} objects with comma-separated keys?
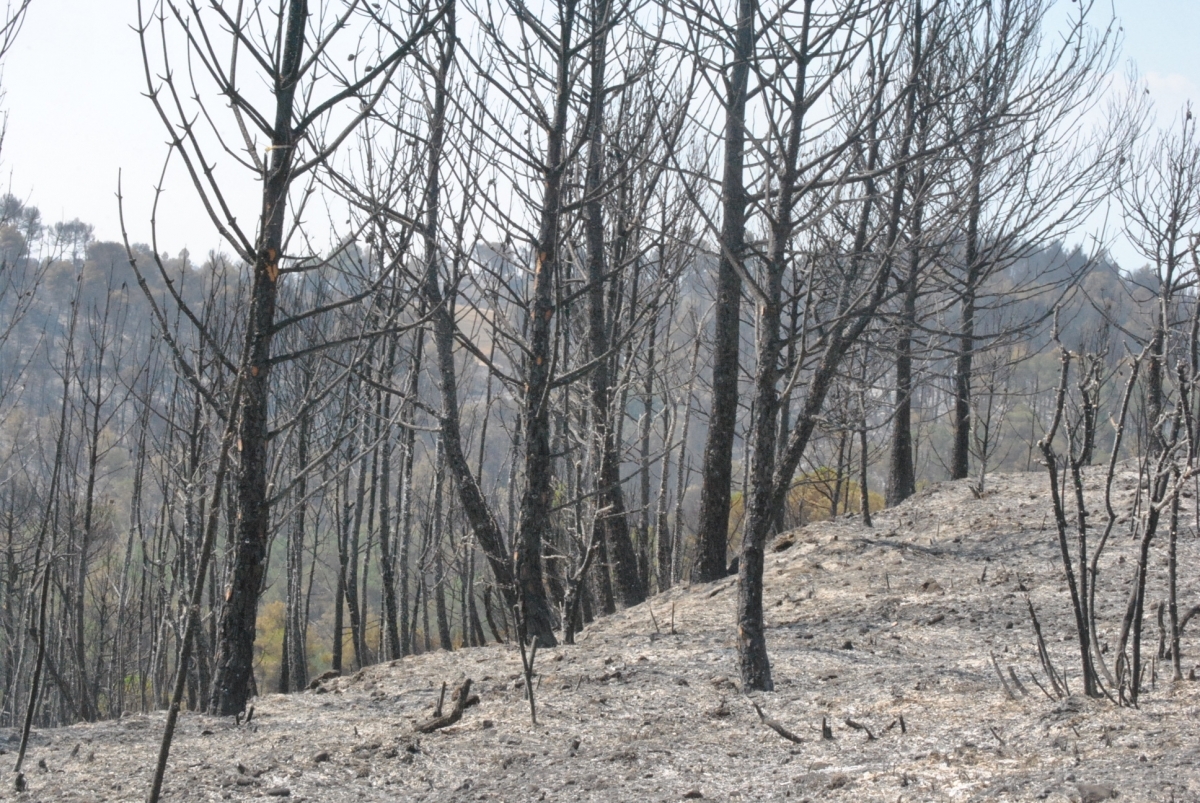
[{"x": 873, "y": 626}]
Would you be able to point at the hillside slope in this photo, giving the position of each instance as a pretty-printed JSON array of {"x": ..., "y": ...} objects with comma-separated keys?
[{"x": 867, "y": 625}]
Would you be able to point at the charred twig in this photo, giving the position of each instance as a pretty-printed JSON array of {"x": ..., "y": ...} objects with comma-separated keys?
[
  {"x": 1187, "y": 617},
  {"x": 776, "y": 726},
  {"x": 858, "y": 726},
  {"x": 527, "y": 659},
  {"x": 437, "y": 711},
  {"x": 1017, "y": 682},
  {"x": 1049, "y": 696},
  {"x": 1059, "y": 687},
  {"x": 1162, "y": 631}
]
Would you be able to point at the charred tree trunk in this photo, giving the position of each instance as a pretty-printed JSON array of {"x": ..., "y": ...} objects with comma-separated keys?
[
  {"x": 235, "y": 647},
  {"x": 405, "y": 492},
  {"x": 534, "y": 517},
  {"x": 713, "y": 535},
  {"x": 296, "y": 648},
  {"x": 961, "y": 454},
  {"x": 614, "y": 522},
  {"x": 387, "y": 565},
  {"x": 902, "y": 475},
  {"x": 475, "y": 506}
]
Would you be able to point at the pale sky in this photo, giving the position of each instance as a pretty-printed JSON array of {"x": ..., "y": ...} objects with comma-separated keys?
[{"x": 76, "y": 115}]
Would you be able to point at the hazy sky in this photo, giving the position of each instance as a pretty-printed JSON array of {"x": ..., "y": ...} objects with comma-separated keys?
[{"x": 76, "y": 115}]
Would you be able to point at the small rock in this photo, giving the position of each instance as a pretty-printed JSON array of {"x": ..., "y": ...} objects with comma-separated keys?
[
  {"x": 278, "y": 791},
  {"x": 692, "y": 794},
  {"x": 1095, "y": 792}
]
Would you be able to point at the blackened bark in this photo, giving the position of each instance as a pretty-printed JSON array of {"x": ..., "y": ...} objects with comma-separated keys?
[
  {"x": 235, "y": 647},
  {"x": 358, "y": 625},
  {"x": 771, "y": 471},
  {"x": 713, "y": 534},
  {"x": 838, "y": 476},
  {"x": 475, "y": 506},
  {"x": 1079, "y": 591},
  {"x": 339, "y": 602},
  {"x": 961, "y": 453},
  {"x": 960, "y": 456},
  {"x": 864, "y": 456},
  {"x": 405, "y": 492},
  {"x": 387, "y": 566},
  {"x": 664, "y": 551},
  {"x": 752, "y": 645},
  {"x": 295, "y": 650},
  {"x": 645, "y": 425},
  {"x": 613, "y": 524},
  {"x": 683, "y": 468},
  {"x": 902, "y": 474},
  {"x": 441, "y": 523},
  {"x": 534, "y": 518},
  {"x": 1156, "y": 443}
]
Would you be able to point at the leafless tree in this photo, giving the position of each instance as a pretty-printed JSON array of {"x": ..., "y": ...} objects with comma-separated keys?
[{"x": 311, "y": 107}]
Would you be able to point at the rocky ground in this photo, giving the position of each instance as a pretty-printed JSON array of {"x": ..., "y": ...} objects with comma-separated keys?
[{"x": 891, "y": 628}]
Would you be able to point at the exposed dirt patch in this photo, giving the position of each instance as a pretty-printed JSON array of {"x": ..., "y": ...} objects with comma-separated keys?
[{"x": 865, "y": 625}]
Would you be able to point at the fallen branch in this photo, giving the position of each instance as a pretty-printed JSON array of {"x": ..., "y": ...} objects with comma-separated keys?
[
  {"x": 777, "y": 727},
  {"x": 858, "y": 726},
  {"x": 461, "y": 701}
]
